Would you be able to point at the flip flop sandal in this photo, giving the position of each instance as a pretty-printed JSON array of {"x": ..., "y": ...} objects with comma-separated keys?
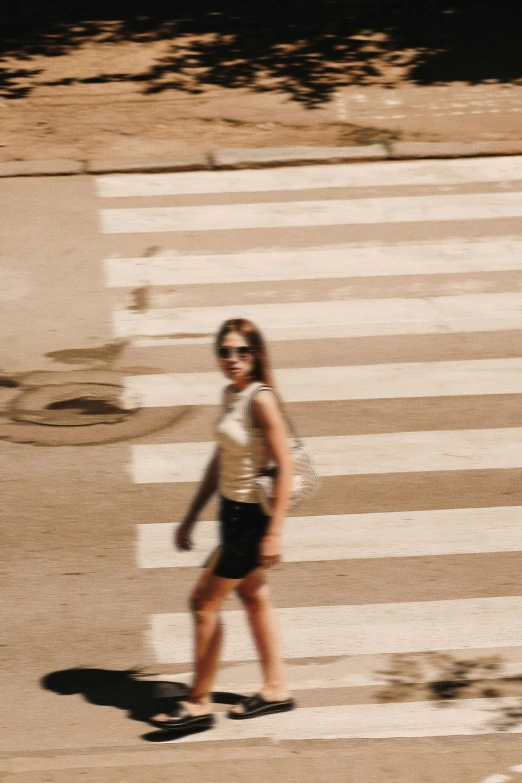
[
  {"x": 180, "y": 719},
  {"x": 258, "y": 705}
]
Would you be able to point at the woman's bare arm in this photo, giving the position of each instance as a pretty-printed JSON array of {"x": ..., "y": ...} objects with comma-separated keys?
[
  {"x": 206, "y": 489},
  {"x": 209, "y": 483}
]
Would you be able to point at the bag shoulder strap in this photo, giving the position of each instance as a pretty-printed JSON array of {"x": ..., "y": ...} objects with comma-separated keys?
[
  {"x": 224, "y": 397},
  {"x": 285, "y": 417}
]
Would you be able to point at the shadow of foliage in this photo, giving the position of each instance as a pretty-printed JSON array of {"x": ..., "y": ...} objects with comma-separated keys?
[
  {"x": 443, "y": 678},
  {"x": 507, "y": 716},
  {"x": 305, "y": 50}
]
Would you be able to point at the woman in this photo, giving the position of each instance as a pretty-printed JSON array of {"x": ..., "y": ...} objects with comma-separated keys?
[{"x": 250, "y": 542}]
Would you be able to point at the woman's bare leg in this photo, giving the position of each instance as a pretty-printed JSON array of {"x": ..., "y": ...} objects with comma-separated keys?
[
  {"x": 207, "y": 654},
  {"x": 208, "y": 641},
  {"x": 254, "y": 593},
  {"x": 208, "y": 638},
  {"x": 206, "y": 600}
]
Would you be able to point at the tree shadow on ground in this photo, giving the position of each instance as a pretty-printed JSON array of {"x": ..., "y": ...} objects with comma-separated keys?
[
  {"x": 306, "y": 50},
  {"x": 443, "y": 678},
  {"x": 124, "y": 690}
]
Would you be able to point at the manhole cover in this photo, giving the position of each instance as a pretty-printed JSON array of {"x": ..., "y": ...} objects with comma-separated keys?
[
  {"x": 72, "y": 405},
  {"x": 78, "y": 408}
]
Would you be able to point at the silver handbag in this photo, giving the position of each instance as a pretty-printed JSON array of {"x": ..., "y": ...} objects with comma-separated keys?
[{"x": 305, "y": 480}]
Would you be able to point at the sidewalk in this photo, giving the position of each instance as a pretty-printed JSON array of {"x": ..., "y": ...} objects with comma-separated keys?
[{"x": 70, "y": 114}]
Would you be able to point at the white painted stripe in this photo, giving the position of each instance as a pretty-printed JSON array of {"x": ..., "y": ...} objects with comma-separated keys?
[
  {"x": 321, "y": 631},
  {"x": 331, "y": 262},
  {"x": 468, "y": 717},
  {"x": 360, "y": 671},
  {"x": 288, "y": 214},
  {"x": 345, "y": 455},
  {"x": 349, "y": 672},
  {"x": 455, "y": 531},
  {"x": 420, "y": 172},
  {"x": 359, "y": 382},
  {"x": 347, "y": 318}
]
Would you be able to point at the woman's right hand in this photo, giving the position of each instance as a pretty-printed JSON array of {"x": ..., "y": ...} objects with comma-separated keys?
[{"x": 182, "y": 536}]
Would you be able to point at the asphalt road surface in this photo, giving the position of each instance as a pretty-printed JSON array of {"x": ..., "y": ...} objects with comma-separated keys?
[{"x": 390, "y": 294}]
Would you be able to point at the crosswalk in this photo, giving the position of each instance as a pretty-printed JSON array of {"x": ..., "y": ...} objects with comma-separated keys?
[
  {"x": 309, "y": 264},
  {"x": 357, "y": 536},
  {"x": 302, "y": 178},
  {"x": 364, "y": 414},
  {"x": 365, "y": 382},
  {"x": 284, "y": 214},
  {"x": 334, "y": 318},
  {"x": 345, "y": 455}
]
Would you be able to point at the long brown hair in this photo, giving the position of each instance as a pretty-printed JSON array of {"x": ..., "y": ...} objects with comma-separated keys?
[{"x": 262, "y": 370}]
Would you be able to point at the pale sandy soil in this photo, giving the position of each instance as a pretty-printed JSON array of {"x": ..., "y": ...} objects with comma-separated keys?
[{"x": 111, "y": 116}]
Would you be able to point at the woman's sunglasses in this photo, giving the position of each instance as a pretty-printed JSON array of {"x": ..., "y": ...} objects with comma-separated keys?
[{"x": 224, "y": 352}]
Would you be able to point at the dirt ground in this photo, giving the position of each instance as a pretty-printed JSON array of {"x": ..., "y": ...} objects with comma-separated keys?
[{"x": 92, "y": 102}]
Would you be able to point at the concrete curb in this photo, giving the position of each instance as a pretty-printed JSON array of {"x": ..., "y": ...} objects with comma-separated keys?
[
  {"x": 295, "y": 156},
  {"x": 233, "y": 159},
  {"x": 41, "y": 168},
  {"x": 192, "y": 163},
  {"x": 409, "y": 150}
]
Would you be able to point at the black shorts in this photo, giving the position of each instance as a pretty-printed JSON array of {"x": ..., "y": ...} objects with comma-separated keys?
[{"x": 241, "y": 528}]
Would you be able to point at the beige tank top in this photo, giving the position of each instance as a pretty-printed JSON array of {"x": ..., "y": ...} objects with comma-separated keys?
[{"x": 237, "y": 468}]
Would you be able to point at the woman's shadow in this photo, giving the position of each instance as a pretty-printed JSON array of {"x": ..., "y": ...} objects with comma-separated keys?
[{"x": 125, "y": 690}]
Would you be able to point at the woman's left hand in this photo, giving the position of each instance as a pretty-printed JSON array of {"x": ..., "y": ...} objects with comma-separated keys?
[{"x": 270, "y": 550}]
